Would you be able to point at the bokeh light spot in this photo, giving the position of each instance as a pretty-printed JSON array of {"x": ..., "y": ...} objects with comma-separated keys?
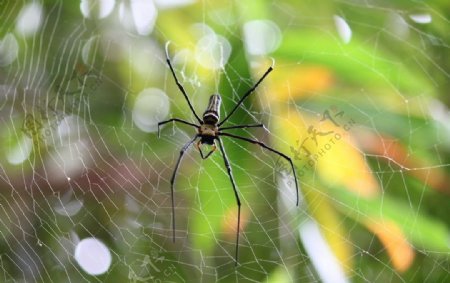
[
  {"x": 8, "y": 49},
  {"x": 20, "y": 152},
  {"x": 97, "y": 8},
  {"x": 151, "y": 106},
  {"x": 93, "y": 256},
  {"x": 30, "y": 19},
  {"x": 139, "y": 15},
  {"x": 343, "y": 29},
  {"x": 261, "y": 37},
  {"x": 166, "y": 4},
  {"x": 212, "y": 51},
  {"x": 421, "y": 18}
]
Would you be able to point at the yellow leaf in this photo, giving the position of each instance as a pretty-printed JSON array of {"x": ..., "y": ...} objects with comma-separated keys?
[
  {"x": 331, "y": 225},
  {"x": 325, "y": 147},
  {"x": 340, "y": 162}
]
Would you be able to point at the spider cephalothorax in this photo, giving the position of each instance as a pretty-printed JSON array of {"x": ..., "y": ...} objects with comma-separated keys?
[{"x": 208, "y": 131}]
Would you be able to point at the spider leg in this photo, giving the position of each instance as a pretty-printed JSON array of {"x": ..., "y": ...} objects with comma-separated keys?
[
  {"x": 176, "y": 120},
  {"x": 180, "y": 87},
  {"x": 242, "y": 127},
  {"x": 269, "y": 148},
  {"x": 238, "y": 201},
  {"x": 172, "y": 181},
  {"x": 245, "y": 96}
]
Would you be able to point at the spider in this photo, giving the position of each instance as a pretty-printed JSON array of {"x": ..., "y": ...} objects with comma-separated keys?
[{"x": 209, "y": 130}]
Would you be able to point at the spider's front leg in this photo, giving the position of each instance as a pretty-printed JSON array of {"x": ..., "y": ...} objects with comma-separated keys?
[
  {"x": 243, "y": 127},
  {"x": 175, "y": 120},
  {"x": 245, "y": 96},
  {"x": 180, "y": 86}
]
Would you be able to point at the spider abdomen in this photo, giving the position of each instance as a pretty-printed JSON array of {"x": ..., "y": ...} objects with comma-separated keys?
[{"x": 212, "y": 112}]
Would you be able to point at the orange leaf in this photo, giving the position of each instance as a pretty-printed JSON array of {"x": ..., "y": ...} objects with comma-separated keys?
[
  {"x": 393, "y": 239},
  {"x": 299, "y": 80},
  {"x": 230, "y": 221},
  {"x": 397, "y": 153}
]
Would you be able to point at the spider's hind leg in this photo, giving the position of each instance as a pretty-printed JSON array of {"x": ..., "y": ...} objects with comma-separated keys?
[
  {"x": 268, "y": 148},
  {"x": 172, "y": 181},
  {"x": 238, "y": 201}
]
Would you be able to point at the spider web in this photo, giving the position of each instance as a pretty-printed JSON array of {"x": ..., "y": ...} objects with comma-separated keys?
[{"x": 86, "y": 181}]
